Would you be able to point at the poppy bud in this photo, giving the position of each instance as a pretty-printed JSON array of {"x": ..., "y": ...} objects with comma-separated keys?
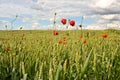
[
  {"x": 84, "y": 42},
  {"x": 80, "y": 25},
  {"x": 7, "y": 49},
  {"x": 67, "y": 63},
  {"x": 60, "y": 42}
]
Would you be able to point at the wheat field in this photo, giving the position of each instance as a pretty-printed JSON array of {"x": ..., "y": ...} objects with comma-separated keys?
[{"x": 67, "y": 55}]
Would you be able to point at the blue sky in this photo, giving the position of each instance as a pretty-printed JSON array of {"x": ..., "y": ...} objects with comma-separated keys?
[{"x": 39, "y": 14}]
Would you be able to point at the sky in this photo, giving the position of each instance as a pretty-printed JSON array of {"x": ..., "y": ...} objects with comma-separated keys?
[{"x": 39, "y": 14}]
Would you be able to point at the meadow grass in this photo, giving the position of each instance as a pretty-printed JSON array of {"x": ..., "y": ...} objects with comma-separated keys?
[{"x": 40, "y": 55}]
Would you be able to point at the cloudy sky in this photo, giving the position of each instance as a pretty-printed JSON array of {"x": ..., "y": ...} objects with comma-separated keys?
[{"x": 39, "y": 14}]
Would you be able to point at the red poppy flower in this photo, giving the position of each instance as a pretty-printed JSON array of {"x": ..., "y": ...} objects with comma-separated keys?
[
  {"x": 55, "y": 32},
  {"x": 84, "y": 42},
  {"x": 72, "y": 22},
  {"x": 64, "y": 37},
  {"x": 105, "y": 35},
  {"x": 7, "y": 49},
  {"x": 64, "y": 42},
  {"x": 81, "y": 36},
  {"x": 67, "y": 63},
  {"x": 60, "y": 42},
  {"x": 63, "y": 21}
]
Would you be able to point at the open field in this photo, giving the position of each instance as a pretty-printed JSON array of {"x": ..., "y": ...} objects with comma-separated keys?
[{"x": 69, "y": 55}]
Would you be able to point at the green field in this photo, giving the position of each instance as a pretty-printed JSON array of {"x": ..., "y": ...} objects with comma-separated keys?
[{"x": 70, "y": 55}]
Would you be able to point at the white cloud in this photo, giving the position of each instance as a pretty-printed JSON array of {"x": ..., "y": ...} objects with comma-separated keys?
[
  {"x": 25, "y": 19},
  {"x": 103, "y": 11},
  {"x": 35, "y": 25},
  {"x": 104, "y": 3},
  {"x": 94, "y": 27},
  {"x": 3, "y": 22},
  {"x": 113, "y": 26},
  {"x": 108, "y": 16},
  {"x": 10, "y": 10}
]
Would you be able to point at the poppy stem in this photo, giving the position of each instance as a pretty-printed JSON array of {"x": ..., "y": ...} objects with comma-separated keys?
[
  {"x": 54, "y": 23},
  {"x": 82, "y": 20},
  {"x": 13, "y": 21},
  {"x": 6, "y": 27},
  {"x": 68, "y": 24},
  {"x": 81, "y": 23}
]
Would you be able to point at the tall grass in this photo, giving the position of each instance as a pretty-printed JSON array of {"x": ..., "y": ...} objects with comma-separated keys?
[{"x": 37, "y": 55}]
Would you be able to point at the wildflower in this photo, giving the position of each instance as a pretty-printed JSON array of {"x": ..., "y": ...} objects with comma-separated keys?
[
  {"x": 64, "y": 42},
  {"x": 67, "y": 63},
  {"x": 64, "y": 37},
  {"x": 63, "y": 21},
  {"x": 105, "y": 35},
  {"x": 60, "y": 42},
  {"x": 7, "y": 49},
  {"x": 72, "y": 22},
  {"x": 84, "y": 42},
  {"x": 55, "y": 32},
  {"x": 81, "y": 36}
]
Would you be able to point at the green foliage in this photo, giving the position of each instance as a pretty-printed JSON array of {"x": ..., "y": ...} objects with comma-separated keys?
[{"x": 37, "y": 55}]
